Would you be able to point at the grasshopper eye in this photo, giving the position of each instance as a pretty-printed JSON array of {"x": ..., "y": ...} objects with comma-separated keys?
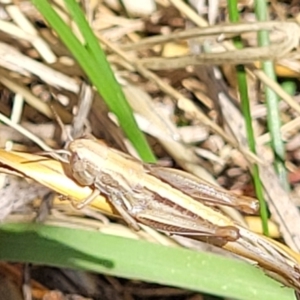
[
  {"x": 83, "y": 177},
  {"x": 80, "y": 171}
]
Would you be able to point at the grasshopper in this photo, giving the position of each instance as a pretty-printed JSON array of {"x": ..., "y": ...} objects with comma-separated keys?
[{"x": 171, "y": 201}]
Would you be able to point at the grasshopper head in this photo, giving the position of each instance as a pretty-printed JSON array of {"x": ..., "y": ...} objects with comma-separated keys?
[{"x": 87, "y": 157}]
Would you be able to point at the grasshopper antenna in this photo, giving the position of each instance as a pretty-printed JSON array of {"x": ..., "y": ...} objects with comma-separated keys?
[
  {"x": 61, "y": 124},
  {"x": 55, "y": 153}
]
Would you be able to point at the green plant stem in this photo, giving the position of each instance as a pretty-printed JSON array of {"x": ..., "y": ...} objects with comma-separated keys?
[
  {"x": 243, "y": 90},
  {"x": 273, "y": 117}
]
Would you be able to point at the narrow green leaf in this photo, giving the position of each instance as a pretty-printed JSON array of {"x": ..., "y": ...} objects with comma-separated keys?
[
  {"x": 245, "y": 105},
  {"x": 93, "y": 61},
  {"x": 273, "y": 116}
]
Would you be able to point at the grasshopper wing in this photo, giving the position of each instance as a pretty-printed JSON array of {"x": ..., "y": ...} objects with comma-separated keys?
[{"x": 201, "y": 190}]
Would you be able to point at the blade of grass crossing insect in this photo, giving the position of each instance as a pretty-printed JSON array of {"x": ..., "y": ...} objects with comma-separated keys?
[{"x": 133, "y": 259}]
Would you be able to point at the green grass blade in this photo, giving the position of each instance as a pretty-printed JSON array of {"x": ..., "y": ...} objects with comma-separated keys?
[
  {"x": 245, "y": 104},
  {"x": 128, "y": 258},
  {"x": 93, "y": 61},
  {"x": 273, "y": 116}
]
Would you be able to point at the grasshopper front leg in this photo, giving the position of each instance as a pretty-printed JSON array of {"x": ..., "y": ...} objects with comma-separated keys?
[{"x": 87, "y": 200}]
